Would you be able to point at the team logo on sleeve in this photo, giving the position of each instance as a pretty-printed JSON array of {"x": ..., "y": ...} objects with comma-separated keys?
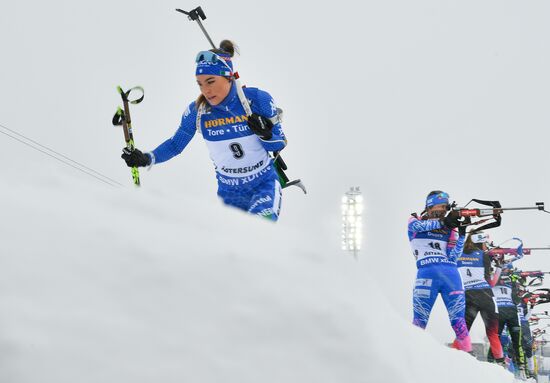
[{"x": 187, "y": 112}]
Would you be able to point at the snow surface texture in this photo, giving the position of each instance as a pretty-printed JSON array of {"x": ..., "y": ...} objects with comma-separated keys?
[
  {"x": 399, "y": 97},
  {"x": 118, "y": 285}
]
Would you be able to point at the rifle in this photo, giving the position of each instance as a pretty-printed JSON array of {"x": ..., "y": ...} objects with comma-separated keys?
[
  {"x": 504, "y": 251},
  {"x": 494, "y": 212},
  {"x": 496, "y": 209},
  {"x": 531, "y": 274},
  {"x": 534, "y": 320},
  {"x": 538, "y": 277},
  {"x": 542, "y": 315},
  {"x": 537, "y": 332},
  {"x": 537, "y": 297}
]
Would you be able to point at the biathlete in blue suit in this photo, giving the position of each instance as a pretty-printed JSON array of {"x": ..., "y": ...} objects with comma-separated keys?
[
  {"x": 478, "y": 279},
  {"x": 239, "y": 145},
  {"x": 436, "y": 244}
]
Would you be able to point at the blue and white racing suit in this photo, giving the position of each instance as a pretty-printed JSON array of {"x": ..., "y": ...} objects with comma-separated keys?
[
  {"x": 247, "y": 178},
  {"x": 436, "y": 249}
]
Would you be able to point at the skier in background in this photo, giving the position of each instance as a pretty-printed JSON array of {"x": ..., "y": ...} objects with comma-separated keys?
[
  {"x": 524, "y": 312},
  {"x": 238, "y": 144},
  {"x": 436, "y": 244},
  {"x": 475, "y": 269},
  {"x": 506, "y": 294}
]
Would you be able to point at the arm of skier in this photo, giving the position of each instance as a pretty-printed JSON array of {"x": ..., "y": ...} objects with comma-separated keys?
[
  {"x": 420, "y": 225},
  {"x": 492, "y": 281},
  {"x": 518, "y": 254},
  {"x": 263, "y": 105},
  {"x": 456, "y": 245},
  {"x": 175, "y": 144}
]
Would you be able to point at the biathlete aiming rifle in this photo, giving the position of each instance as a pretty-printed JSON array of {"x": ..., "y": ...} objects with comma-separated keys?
[
  {"x": 537, "y": 277},
  {"x": 537, "y": 297},
  {"x": 539, "y": 331},
  {"x": 498, "y": 253},
  {"x": 197, "y": 15},
  {"x": 122, "y": 117}
]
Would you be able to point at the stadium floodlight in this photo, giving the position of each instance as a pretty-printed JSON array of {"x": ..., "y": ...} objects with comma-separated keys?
[{"x": 352, "y": 222}]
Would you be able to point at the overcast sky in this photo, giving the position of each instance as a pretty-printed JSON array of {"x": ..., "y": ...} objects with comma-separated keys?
[{"x": 396, "y": 97}]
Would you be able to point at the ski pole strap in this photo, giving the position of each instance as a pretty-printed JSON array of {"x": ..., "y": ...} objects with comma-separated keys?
[
  {"x": 118, "y": 118},
  {"x": 126, "y": 95}
]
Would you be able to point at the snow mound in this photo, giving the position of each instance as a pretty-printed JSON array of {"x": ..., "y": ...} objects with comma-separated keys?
[{"x": 105, "y": 284}]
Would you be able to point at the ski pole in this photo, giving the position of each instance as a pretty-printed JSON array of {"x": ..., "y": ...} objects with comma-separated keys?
[
  {"x": 196, "y": 15},
  {"x": 122, "y": 117}
]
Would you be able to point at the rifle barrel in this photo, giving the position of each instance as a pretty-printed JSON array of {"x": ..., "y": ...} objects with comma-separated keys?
[{"x": 519, "y": 208}]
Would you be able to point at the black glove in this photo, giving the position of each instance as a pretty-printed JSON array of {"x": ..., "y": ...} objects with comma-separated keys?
[
  {"x": 135, "y": 158},
  {"x": 462, "y": 230},
  {"x": 451, "y": 220},
  {"x": 261, "y": 126}
]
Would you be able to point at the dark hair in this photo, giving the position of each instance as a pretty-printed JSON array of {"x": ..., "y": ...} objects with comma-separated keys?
[{"x": 227, "y": 47}]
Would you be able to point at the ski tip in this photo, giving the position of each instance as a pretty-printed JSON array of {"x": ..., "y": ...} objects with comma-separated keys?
[{"x": 297, "y": 183}]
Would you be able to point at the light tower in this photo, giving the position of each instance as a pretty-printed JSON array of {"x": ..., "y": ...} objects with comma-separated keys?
[{"x": 352, "y": 222}]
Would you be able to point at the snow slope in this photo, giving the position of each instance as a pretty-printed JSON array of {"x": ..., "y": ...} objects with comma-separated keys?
[
  {"x": 164, "y": 284},
  {"x": 104, "y": 284}
]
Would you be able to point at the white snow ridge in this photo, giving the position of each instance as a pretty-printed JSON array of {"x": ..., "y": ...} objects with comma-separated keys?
[{"x": 121, "y": 285}]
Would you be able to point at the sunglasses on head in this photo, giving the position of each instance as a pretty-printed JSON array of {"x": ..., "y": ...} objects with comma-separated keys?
[{"x": 210, "y": 57}]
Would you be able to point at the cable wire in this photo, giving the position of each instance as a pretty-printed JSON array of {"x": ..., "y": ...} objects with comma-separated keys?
[{"x": 64, "y": 159}]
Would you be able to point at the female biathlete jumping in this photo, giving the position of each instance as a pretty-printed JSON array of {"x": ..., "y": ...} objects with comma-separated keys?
[
  {"x": 238, "y": 144},
  {"x": 436, "y": 244}
]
